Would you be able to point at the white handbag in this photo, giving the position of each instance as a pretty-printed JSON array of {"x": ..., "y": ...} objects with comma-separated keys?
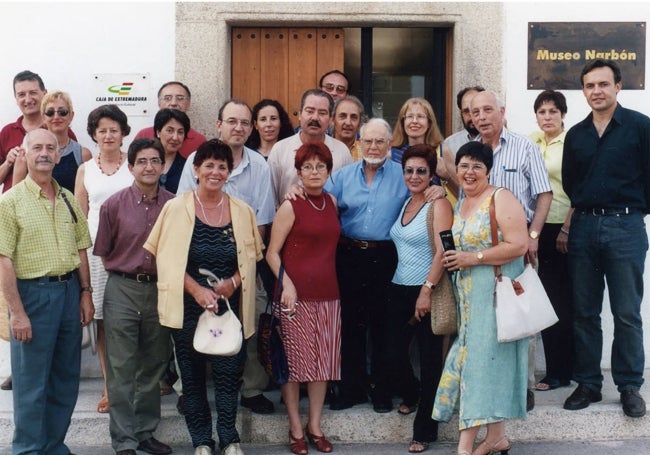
[
  {"x": 522, "y": 306},
  {"x": 218, "y": 334}
]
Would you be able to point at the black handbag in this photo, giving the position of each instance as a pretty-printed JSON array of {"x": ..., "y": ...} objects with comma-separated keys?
[{"x": 270, "y": 345}]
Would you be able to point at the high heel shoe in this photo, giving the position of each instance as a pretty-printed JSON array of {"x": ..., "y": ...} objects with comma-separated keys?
[
  {"x": 298, "y": 445},
  {"x": 321, "y": 444},
  {"x": 492, "y": 449}
]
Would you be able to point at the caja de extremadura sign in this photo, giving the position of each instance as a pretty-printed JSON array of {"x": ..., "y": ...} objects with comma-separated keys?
[{"x": 557, "y": 51}]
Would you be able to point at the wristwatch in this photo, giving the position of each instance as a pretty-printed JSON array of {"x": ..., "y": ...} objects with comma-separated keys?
[
  {"x": 533, "y": 235},
  {"x": 428, "y": 284},
  {"x": 479, "y": 256},
  {"x": 87, "y": 289}
]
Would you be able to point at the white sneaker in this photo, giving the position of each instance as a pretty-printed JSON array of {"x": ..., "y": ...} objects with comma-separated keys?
[
  {"x": 232, "y": 449},
  {"x": 203, "y": 450}
]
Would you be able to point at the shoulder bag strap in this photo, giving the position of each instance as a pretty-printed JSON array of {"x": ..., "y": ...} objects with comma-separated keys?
[
  {"x": 495, "y": 232},
  {"x": 430, "y": 230}
]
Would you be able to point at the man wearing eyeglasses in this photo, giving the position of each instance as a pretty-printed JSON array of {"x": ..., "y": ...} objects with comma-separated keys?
[
  {"x": 176, "y": 95},
  {"x": 29, "y": 90},
  {"x": 335, "y": 83},
  {"x": 137, "y": 346},
  {"x": 250, "y": 181}
]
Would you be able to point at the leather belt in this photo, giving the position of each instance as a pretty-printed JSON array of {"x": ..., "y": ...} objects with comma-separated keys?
[
  {"x": 363, "y": 244},
  {"x": 139, "y": 277},
  {"x": 595, "y": 211},
  {"x": 55, "y": 278}
]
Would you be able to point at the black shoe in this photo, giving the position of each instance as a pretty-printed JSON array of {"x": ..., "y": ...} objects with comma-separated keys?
[
  {"x": 530, "y": 400},
  {"x": 582, "y": 397},
  {"x": 179, "y": 405},
  {"x": 633, "y": 403},
  {"x": 338, "y": 402},
  {"x": 382, "y": 406},
  {"x": 259, "y": 404},
  {"x": 127, "y": 452},
  {"x": 7, "y": 384},
  {"x": 154, "y": 447}
]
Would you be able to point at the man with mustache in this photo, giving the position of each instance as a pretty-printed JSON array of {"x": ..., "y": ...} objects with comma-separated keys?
[
  {"x": 348, "y": 116},
  {"x": 316, "y": 108},
  {"x": 45, "y": 282}
]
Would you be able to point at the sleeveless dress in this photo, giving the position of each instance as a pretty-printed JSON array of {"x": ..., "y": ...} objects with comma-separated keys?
[
  {"x": 100, "y": 187},
  {"x": 486, "y": 380},
  {"x": 313, "y": 338}
]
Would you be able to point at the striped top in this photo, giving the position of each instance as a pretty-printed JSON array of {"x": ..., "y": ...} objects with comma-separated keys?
[
  {"x": 518, "y": 166},
  {"x": 413, "y": 248}
]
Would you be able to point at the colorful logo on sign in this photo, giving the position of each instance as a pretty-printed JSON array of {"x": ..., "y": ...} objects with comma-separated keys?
[{"x": 121, "y": 90}]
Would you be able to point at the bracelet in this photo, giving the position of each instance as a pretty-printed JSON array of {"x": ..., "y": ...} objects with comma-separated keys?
[
  {"x": 564, "y": 231},
  {"x": 234, "y": 282}
]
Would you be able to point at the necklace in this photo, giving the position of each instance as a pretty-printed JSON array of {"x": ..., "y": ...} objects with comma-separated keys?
[
  {"x": 320, "y": 209},
  {"x": 99, "y": 164},
  {"x": 196, "y": 195}
]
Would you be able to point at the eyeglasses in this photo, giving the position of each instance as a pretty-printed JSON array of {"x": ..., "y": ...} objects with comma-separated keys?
[
  {"x": 169, "y": 98},
  {"x": 233, "y": 122},
  {"x": 464, "y": 167},
  {"x": 419, "y": 171},
  {"x": 340, "y": 89},
  {"x": 418, "y": 117},
  {"x": 308, "y": 168},
  {"x": 144, "y": 162},
  {"x": 380, "y": 142},
  {"x": 61, "y": 112}
]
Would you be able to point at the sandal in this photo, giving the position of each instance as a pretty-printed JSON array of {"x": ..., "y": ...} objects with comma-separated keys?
[
  {"x": 103, "y": 407},
  {"x": 321, "y": 444},
  {"x": 417, "y": 446},
  {"x": 492, "y": 449},
  {"x": 550, "y": 384},
  {"x": 406, "y": 409},
  {"x": 297, "y": 445}
]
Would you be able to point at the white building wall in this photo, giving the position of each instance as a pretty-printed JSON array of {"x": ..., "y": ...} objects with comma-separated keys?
[{"x": 66, "y": 43}]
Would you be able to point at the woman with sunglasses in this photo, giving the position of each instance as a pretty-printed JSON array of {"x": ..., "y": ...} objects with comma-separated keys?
[
  {"x": 417, "y": 124},
  {"x": 418, "y": 271},
  {"x": 56, "y": 108}
]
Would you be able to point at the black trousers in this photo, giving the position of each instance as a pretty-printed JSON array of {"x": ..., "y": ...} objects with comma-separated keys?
[
  {"x": 554, "y": 274},
  {"x": 364, "y": 277}
]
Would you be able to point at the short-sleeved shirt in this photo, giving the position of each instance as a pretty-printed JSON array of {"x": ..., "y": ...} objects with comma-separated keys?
[
  {"x": 552, "y": 154},
  {"x": 125, "y": 222},
  {"x": 41, "y": 238},
  {"x": 519, "y": 167},
  {"x": 367, "y": 213}
]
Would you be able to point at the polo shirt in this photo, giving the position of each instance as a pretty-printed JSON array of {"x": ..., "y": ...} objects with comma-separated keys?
[
  {"x": 125, "y": 222},
  {"x": 41, "y": 238}
]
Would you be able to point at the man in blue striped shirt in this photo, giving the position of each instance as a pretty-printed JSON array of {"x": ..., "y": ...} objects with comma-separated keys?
[{"x": 519, "y": 167}]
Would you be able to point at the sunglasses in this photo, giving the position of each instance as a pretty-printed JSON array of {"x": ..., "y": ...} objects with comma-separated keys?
[
  {"x": 418, "y": 171},
  {"x": 61, "y": 112}
]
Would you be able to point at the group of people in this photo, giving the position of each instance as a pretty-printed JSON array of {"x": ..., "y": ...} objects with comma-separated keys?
[{"x": 351, "y": 215}]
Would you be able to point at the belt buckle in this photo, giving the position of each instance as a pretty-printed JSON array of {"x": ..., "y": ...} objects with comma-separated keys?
[
  {"x": 144, "y": 279},
  {"x": 363, "y": 244},
  {"x": 598, "y": 212},
  {"x": 62, "y": 278}
]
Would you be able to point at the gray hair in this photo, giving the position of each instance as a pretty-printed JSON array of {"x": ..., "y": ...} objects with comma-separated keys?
[
  {"x": 380, "y": 121},
  {"x": 356, "y": 101},
  {"x": 28, "y": 135}
]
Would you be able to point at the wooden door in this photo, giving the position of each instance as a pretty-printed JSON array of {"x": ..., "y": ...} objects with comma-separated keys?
[{"x": 281, "y": 63}]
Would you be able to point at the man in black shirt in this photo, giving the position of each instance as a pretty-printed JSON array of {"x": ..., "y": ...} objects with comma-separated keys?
[{"x": 606, "y": 174}]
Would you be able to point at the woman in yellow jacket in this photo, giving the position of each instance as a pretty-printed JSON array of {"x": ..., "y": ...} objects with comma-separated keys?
[{"x": 207, "y": 229}]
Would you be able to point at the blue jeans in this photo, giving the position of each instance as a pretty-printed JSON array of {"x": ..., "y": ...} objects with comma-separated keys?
[{"x": 614, "y": 248}]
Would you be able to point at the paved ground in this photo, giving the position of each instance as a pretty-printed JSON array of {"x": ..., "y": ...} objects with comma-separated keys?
[{"x": 628, "y": 447}]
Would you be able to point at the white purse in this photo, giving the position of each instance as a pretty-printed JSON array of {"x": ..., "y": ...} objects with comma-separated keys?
[{"x": 218, "y": 334}]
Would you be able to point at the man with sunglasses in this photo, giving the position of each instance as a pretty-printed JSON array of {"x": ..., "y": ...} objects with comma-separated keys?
[
  {"x": 29, "y": 90},
  {"x": 176, "y": 95},
  {"x": 335, "y": 83}
]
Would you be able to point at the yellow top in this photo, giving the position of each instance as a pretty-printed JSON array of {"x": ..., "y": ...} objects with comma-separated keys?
[
  {"x": 41, "y": 238},
  {"x": 552, "y": 154}
]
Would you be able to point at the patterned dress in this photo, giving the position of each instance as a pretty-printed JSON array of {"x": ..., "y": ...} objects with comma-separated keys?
[
  {"x": 313, "y": 338},
  {"x": 482, "y": 378}
]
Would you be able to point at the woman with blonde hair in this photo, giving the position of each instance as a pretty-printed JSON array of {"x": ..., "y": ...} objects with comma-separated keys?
[{"x": 417, "y": 124}]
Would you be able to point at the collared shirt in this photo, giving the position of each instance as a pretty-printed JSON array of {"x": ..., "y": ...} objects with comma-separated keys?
[
  {"x": 457, "y": 140},
  {"x": 282, "y": 162},
  {"x": 519, "y": 167},
  {"x": 12, "y": 135},
  {"x": 125, "y": 222},
  {"x": 41, "y": 238},
  {"x": 192, "y": 140},
  {"x": 612, "y": 171},
  {"x": 368, "y": 213},
  {"x": 250, "y": 181},
  {"x": 355, "y": 151},
  {"x": 552, "y": 154}
]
